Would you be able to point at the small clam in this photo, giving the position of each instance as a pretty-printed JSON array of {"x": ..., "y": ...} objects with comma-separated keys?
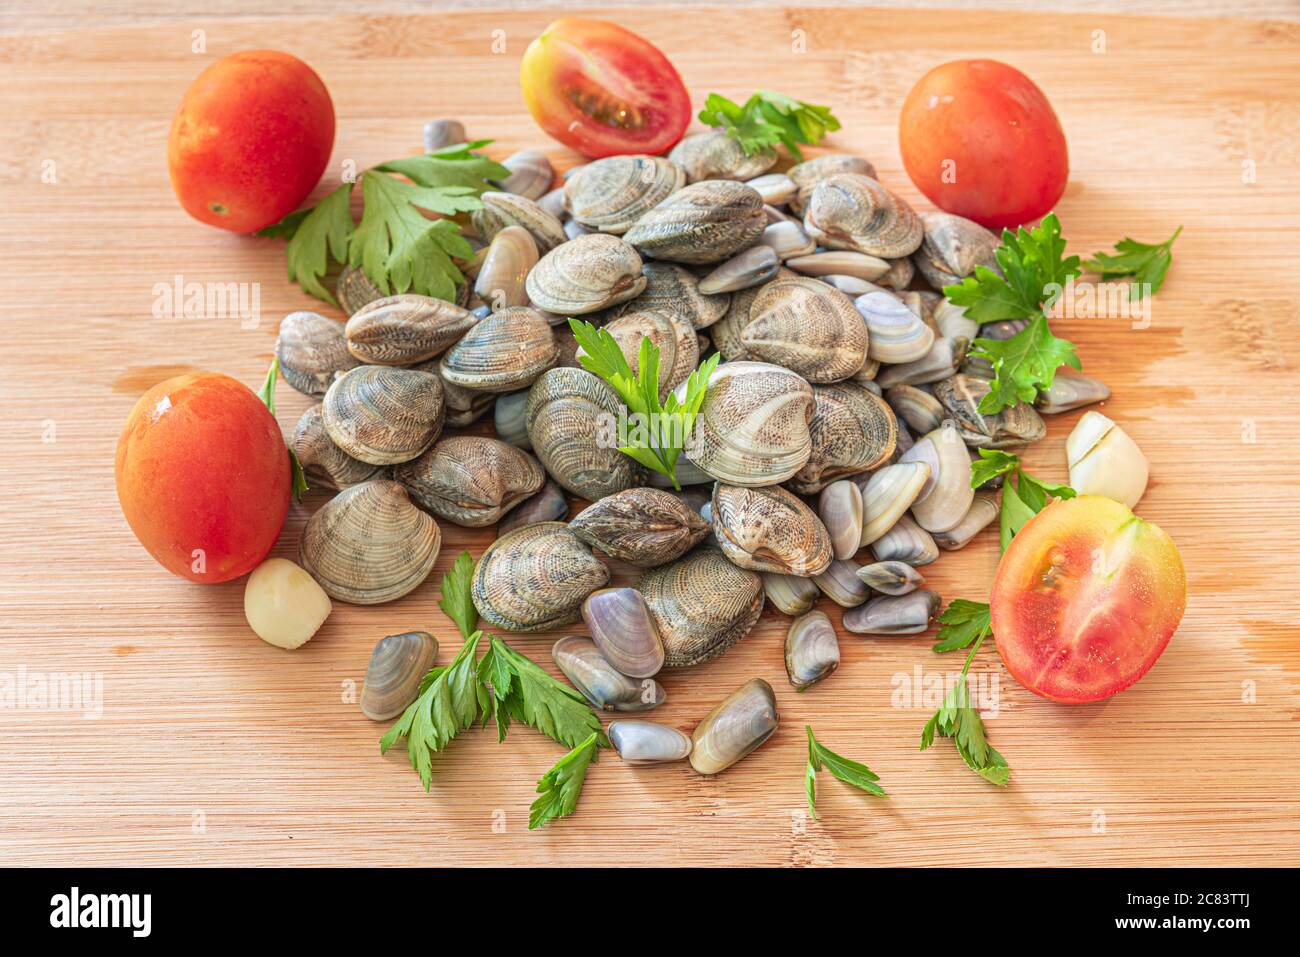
[
  {"x": 624, "y": 631},
  {"x": 674, "y": 290},
  {"x": 769, "y": 530},
  {"x": 548, "y": 505},
  {"x": 553, "y": 202},
  {"x": 752, "y": 428},
  {"x": 787, "y": 239},
  {"x": 840, "y": 509},
  {"x": 508, "y": 420},
  {"x": 851, "y": 211},
  {"x": 686, "y": 472},
  {"x": 705, "y": 156},
  {"x": 505, "y": 352},
  {"x": 509, "y": 259},
  {"x": 354, "y": 290},
  {"x": 609, "y": 195},
  {"x": 812, "y": 651},
  {"x": 905, "y": 542},
  {"x": 852, "y": 430},
  {"x": 586, "y": 275},
  {"x": 891, "y": 578},
  {"x": 899, "y": 276},
  {"x": 679, "y": 352},
  {"x": 887, "y": 494},
  {"x": 952, "y": 321},
  {"x": 1070, "y": 390},
  {"x": 311, "y": 349},
  {"x": 791, "y": 594},
  {"x": 953, "y": 246},
  {"x": 753, "y": 266},
  {"x": 840, "y": 262},
  {"x": 324, "y": 463},
  {"x": 983, "y": 510},
  {"x": 531, "y": 174},
  {"x": 600, "y": 682},
  {"x": 442, "y": 133},
  {"x": 808, "y": 327},
  {"x": 565, "y": 413},
  {"x": 705, "y": 222},
  {"x": 384, "y": 415},
  {"x": 736, "y": 727},
  {"x": 573, "y": 229},
  {"x": 536, "y": 577},
  {"x": 703, "y": 604},
  {"x": 644, "y": 742},
  {"x": 642, "y": 526},
  {"x": 897, "y": 334},
  {"x": 777, "y": 189},
  {"x": 401, "y": 330},
  {"x": 943, "y": 505},
  {"x": 1015, "y": 425},
  {"x": 464, "y": 406},
  {"x": 908, "y": 614},
  {"x": 369, "y": 544},
  {"x": 851, "y": 286},
  {"x": 397, "y": 665},
  {"x": 1105, "y": 461},
  {"x": 939, "y": 363},
  {"x": 918, "y": 408},
  {"x": 471, "y": 480},
  {"x": 840, "y": 583},
  {"x": 506, "y": 209},
  {"x": 808, "y": 174}
]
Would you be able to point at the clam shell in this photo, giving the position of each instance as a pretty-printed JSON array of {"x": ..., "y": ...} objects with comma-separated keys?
[
  {"x": 311, "y": 349},
  {"x": 939, "y": 363},
  {"x": 852, "y": 430},
  {"x": 905, "y": 542},
  {"x": 952, "y": 247},
  {"x": 840, "y": 262},
  {"x": 598, "y": 680},
  {"x": 806, "y": 326},
  {"x": 735, "y": 728},
  {"x": 442, "y": 133},
  {"x": 753, "y": 266},
  {"x": 952, "y": 321},
  {"x": 791, "y": 594},
  {"x": 769, "y": 530},
  {"x": 674, "y": 290},
  {"x": 918, "y": 408},
  {"x": 851, "y": 211},
  {"x": 586, "y": 275},
  {"x": 703, "y": 604},
  {"x": 471, "y": 480},
  {"x": 509, "y": 259},
  {"x": 609, "y": 195},
  {"x": 983, "y": 510},
  {"x": 644, "y": 742},
  {"x": 808, "y": 174},
  {"x": 752, "y": 428},
  {"x": 812, "y": 650},
  {"x": 706, "y": 156},
  {"x": 506, "y": 209},
  {"x": 945, "y": 504},
  {"x": 354, "y": 290},
  {"x": 777, "y": 189},
  {"x": 553, "y": 203},
  {"x": 887, "y": 494},
  {"x": 531, "y": 174},
  {"x": 1070, "y": 390},
  {"x": 897, "y": 333},
  {"x": 706, "y": 222},
  {"x": 508, "y": 420},
  {"x": 397, "y": 665},
  {"x": 324, "y": 463},
  {"x": 840, "y": 509},
  {"x": 401, "y": 330},
  {"x": 548, "y": 505},
  {"x": 679, "y": 353},
  {"x": 565, "y": 413},
  {"x": 642, "y": 526},
  {"x": 624, "y": 631},
  {"x": 891, "y": 578},
  {"x": 908, "y": 614},
  {"x": 369, "y": 544},
  {"x": 464, "y": 406},
  {"x": 686, "y": 473},
  {"x": 899, "y": 276},
  {"x": 840, "y": 583},
  {"x": 384, "y": 415},
  {"x": 788, "y": 240},
  {"x": 505, "y": 352},
  {"x": 535, "y": 577},
  {"x": 1014, "y": 426}
]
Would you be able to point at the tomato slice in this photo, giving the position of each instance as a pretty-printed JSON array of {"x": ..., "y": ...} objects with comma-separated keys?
[
  {"x": 1085, "y": 599},
  {"x": 603, "y": 90}
]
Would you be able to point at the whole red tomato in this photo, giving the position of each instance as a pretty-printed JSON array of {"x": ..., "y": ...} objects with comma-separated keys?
[
  {"x": 250, "y": 140},
  {"x": 979, "y": 139}
]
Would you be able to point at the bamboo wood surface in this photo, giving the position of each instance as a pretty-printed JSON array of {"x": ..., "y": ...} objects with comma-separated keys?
[{"x": 214, "y": 748}]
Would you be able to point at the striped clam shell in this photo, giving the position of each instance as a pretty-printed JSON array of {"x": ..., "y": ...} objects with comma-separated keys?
[
  {"x": 382, "y": 414},
  {"x": 506, "y": 209},
  {"x": 585, "y": 275},
  {"x": 852, "y": 430},
  {"x": 703, "y": 604},
  {"x": 401, "y": 330},
  {"x": 609, "y": 195},
  {"x": 851, "y": 211},
  {"x": 471, "y": 480},
  {"x": 705, "y": 222},
  {"x": 505, "y": 352},
  {"x": 807, "y": 326},
  {"x": 704, "y": 156},
  {"x": 808, "y": 174},
  {"x": 536, "y": 577},
  {"x": 675, "y": 290},
  {"x": 769, "y": 530}
]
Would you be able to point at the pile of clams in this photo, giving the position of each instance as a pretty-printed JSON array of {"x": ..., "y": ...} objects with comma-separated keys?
[{"x": 831, "y": 456}]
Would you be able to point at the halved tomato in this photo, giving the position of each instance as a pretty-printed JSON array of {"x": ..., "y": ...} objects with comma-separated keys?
[
  {"x": 1085, "y": 599},
  {"x": 603, "y": 90}
]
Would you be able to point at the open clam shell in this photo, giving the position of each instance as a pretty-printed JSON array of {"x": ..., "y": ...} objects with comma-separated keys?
[
  {"x": 705, "y": 156},
  {"x": 705, "y": 222},
  {"x": 645, "y": 527},
  {"x": 769, "y": 530},
  {"x": 851, "y": 211},
  {"x": 369, "y": 544},
  {"x": 401, "y": 330},
  {"x": 609, "y": 195},
  {"x": 807, "y": 326},
  {"x": 384, "y": 415},
  {"x": 644, "y": 742},
  {"x": 505, "y": 352},
  {"x": 471, "y": 480},
  {"x": 536, "y": 577},
  {"x": 323, "y": 462},
  {"x": 703, "y": 604},
  {"x": 397, "y": 665},
  {"x": 852, "y": 430},
  {"x": 812, "y": 650},
  {"x": 311, "y": 349},
  {"x": 735, "y": 728},
  {"x": 585, "y": 275},
  {"x": 600, "y": 682}
]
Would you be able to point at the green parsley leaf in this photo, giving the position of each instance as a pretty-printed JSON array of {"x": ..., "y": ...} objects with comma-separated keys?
[
  {"x": 961, "y": 623},
  {"x": 842, "y": 768},
  {"x": 957, "y": 720},
  {"x": 1022, "y": 500},
  {"x": 1012, "y": 514},
  {"x": 1023, "y": 365},
  {"x": 455, "y": 167},
  {"x": 317, "y": 236},
  {"x": 456, "y": 601},
  {"x": 1033, "y": 264},
  {"x": 1147, "y": 263},
  {"x": 560, "y": 786},
  {"x": 297, "y": 477},
  {"x": 769, "y": 118},
  {"x": 991, "y": 464},
  {"x": 523, "y": 691},
  {"x": 448, "y": 704}
]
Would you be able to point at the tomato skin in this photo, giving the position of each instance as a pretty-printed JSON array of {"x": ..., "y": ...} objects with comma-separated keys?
[
  {"x": 250, "y": 140},
  {"x": 988, "y": 128},
  {"x": 603, "y": 90},
  {"x": 1085, "y": 599}
]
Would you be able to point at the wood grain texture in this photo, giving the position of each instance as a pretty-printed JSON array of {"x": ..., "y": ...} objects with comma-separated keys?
[{"x": 214, "y": 748}]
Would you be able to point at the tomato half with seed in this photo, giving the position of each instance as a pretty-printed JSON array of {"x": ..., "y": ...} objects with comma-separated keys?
[
  {"x": 1085, "y": 599},
  {"x": 603, "y": 90}
]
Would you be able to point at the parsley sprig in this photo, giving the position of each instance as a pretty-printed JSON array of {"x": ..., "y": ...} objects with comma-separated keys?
[
  {"x": 560, "y": 786},
  {"x": 956, "y": 719},
  {"x": 665, "y": 426},
  {"x": 1020, "y": 501},
  {"x": 841, "y": 768},
  {"x": 961, "y": 623},
  {"x": 769, "y": 118},
  {"x": 297, "y": 478},
  {"x": 1146, "y": 263}
]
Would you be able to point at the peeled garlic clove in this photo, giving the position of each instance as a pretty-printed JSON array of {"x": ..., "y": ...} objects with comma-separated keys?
[
  {"x": 283, "y": 604},
  {"x": 624, "y": 631},
  {"x": 908, "y": 614},
  {"x": 891, "y": 578},
  {"x": 1105, "y": 461},
  {"x": 811, "y": 649},
  {"x": 644, "y": 742},
  {"x": 790, "y": 593}
]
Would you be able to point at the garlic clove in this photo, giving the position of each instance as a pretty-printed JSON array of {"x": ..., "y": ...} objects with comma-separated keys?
[
  {"x": 1105, "y": 461},
  {"x": 283, "y": 604}
]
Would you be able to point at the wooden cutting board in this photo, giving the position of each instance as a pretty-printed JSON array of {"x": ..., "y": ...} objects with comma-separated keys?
[{"x": 215, "y": 748}]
